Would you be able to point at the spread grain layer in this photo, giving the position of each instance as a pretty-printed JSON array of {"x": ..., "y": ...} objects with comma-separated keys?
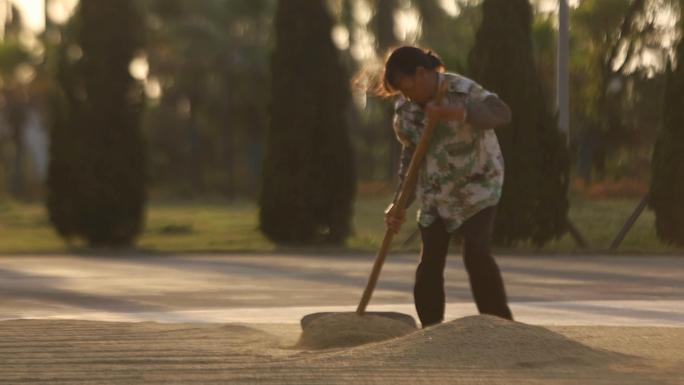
[{"x": 472, "y": 350}]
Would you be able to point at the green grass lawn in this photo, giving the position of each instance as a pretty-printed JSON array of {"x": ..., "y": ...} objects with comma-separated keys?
[{"x": 221, "y": 227}]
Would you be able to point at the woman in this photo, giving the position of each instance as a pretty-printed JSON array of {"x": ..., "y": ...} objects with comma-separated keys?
[{"x": 460, "y": 180}]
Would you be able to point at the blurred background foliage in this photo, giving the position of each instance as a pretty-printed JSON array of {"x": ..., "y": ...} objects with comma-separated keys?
[{"x": 205, "y": 68}]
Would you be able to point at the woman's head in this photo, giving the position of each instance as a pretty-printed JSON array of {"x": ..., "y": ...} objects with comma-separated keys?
[{"x": 411, "y": 71}]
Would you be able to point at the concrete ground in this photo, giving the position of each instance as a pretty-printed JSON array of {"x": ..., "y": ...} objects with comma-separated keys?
[{"x": 553, "y": 290}]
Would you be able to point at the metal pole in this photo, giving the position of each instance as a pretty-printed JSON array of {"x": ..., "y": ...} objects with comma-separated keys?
[
  {"x": 563, "y": 70},
  {"x": 563, "y": 92}
]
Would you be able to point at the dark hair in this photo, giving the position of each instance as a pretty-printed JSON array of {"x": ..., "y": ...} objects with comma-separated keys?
[{"x": 405, "y": 61}]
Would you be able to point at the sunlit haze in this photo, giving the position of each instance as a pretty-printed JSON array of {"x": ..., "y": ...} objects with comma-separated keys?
[{"x": 33, "y": 12}]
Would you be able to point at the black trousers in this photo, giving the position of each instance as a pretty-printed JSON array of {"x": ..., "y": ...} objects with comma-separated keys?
[{"x": 485, "y": 278}]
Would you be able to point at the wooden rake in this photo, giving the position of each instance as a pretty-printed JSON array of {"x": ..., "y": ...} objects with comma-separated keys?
[{"x": 404, "y": 195}]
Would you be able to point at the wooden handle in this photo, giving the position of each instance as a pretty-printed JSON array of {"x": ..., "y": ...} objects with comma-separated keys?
[
  {"x": 375, "y": 273},
  {"x": 404, "y": 195}
]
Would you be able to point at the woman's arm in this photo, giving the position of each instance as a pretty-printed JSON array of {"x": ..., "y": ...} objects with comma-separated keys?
[
  {"x": 489, "y": 113},
  {"x": 492, "y": 112}
]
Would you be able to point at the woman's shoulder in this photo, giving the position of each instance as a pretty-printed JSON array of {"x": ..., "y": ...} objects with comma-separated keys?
[{"x": 458, "y": 83}]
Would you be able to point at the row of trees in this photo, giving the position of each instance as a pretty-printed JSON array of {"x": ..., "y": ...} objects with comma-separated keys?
[
  {"x": 214, "y": 104},
  {"x": 534, "y": 206},
  {"x": 209, "y": 79}
]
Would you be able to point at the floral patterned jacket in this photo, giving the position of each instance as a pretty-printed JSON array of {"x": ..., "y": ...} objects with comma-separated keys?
[{"x": 463, "y": 170}]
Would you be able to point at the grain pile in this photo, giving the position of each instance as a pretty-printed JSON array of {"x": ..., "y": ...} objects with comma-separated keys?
[{"x": 483, "y": 342}]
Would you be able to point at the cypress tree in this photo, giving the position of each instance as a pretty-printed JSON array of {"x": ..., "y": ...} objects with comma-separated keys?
[
  {"x": 96, "y": 175},
  {"x": 534, "y": 204},
  {"x": 667, "y": 179},
  {"x": 309, "y": 180}
]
